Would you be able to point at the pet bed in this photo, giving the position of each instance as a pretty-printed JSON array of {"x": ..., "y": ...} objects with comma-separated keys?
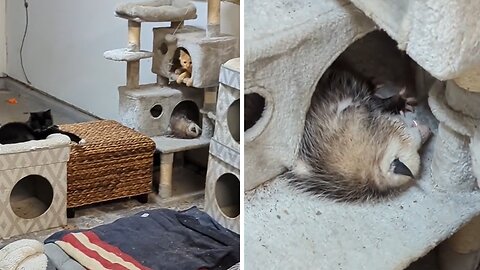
[{"x": 155, "y": 239}]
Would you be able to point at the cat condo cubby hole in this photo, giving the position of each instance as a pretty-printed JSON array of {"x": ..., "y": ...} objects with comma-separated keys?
[
  {"x": 376, "y": 57},
  {"x": 31, "y": 196},
  {"x": 207, "y": 53},
  {"x": 190, "y": 110},
  {"x": 175, "y": 61},
  {"x": 227, "y": 195},
  {"x": 233, "y": 120}
]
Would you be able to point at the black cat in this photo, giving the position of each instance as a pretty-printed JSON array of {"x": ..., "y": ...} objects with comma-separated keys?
[{"x": 38, "y": 127}]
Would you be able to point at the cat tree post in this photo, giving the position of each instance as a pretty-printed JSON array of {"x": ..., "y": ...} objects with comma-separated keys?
[
  {"x": 213, "y": 26},
  {"x": 210, "y": 99},
  {"x": 133, "y": 67},
  {"x": 166, "y": 172},
  {"x": 209, "y": 105}
]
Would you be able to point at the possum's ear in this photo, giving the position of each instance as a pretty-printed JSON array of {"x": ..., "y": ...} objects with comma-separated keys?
[{"x": 400, "y": 168}]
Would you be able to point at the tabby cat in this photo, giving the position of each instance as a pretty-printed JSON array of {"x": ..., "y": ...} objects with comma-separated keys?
[{"x": 185, "y": 72}]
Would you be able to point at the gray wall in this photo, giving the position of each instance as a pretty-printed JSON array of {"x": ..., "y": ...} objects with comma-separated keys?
[{"x": 63, "y": 53}]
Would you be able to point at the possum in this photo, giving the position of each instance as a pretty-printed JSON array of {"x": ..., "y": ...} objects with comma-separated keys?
[
  {"x": 182, "y": 127},
  {"x": 355, "y": 145}
]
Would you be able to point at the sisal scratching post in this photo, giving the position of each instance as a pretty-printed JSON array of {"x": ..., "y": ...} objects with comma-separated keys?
[
  {"x": 461, "y": 250},
  {"x": 166, "y": 172},
  {"x": 133, "y": 67},
  {"x": 209, "y": 104},
  {"x": 470, "y": 80},
  {"x": 213, "y": 26}
]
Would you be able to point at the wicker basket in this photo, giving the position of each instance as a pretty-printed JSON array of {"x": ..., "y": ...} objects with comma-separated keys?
[{"x": 115, "y": 162}]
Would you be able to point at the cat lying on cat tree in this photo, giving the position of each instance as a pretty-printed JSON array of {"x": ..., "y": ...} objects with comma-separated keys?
[{"x": 185, "y": 72}]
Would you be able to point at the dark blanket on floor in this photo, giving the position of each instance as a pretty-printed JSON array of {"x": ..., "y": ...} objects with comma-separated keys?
[{"x": 156, "y": 239}]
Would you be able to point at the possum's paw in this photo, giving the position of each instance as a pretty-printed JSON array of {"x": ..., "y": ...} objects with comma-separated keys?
[
  {"x": 178, "y": 71},
  {"x": 405, "y": 103},
  {"x": 424, "y": 131},
  {"x": 419, "y": 133}
]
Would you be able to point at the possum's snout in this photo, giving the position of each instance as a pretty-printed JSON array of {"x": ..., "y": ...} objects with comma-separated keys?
[
  {"x": 184, "y": 128},
  {"x": 193, "y": 130}
]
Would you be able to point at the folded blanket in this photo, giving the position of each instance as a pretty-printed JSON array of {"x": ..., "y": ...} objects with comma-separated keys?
[
  {"x": 59, "y": 260},
  {"x": 23, "y": 254},
  {"x": 158, "y": 239}
]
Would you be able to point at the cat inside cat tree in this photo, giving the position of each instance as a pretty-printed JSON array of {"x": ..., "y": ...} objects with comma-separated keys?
[{"x": 185, "y": 71}]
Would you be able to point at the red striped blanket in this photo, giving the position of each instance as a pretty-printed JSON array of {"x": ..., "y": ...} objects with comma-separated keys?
[{"x": 160, "y": 239}]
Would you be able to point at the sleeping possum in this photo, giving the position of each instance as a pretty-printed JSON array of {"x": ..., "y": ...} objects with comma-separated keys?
[
  {"x": 182, "y": 127},
  {"x": 355, "y": 146}
]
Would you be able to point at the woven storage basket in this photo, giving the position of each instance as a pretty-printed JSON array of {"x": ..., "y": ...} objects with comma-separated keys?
[{"x": 115, "y": 162}]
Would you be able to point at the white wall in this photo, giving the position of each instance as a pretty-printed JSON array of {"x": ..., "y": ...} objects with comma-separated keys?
[
  {"x": 3, "y": 42},
  {"x": 63, "y": 53}
]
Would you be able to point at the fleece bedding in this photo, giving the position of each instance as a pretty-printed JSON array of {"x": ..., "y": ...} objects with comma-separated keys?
[{"x": 155, "y": 239}]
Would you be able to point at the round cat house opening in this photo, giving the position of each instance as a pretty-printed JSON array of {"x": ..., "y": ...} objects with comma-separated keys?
[
  {"x": 233, "y": 120},
  {"x": 254, "y": 108},
  {"x": 190, "y": 110},
  {"x": 258, "y": 109},
  {"x": 31, "y": 196},
  {"x": 185, "y": 120},
  {"x": 176, "y": 58},
  {"x": 227, "y": 194},
  {"x": 156, "y": 111}
]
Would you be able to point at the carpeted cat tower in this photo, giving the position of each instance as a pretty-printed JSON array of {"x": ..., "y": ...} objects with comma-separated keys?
[
  {"x": 148, "y": 108},
  {"x": 285, "y": 56}
]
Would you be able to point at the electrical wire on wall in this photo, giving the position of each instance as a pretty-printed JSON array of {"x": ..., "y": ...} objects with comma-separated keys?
[{"x": 25, "y": 3}]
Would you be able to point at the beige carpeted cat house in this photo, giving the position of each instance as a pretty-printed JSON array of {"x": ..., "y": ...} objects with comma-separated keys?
[
  {"x": 286, "y": 52},
  {"x": 148, "y": 108},
  {"x": 222, "y": 191},
  {"x": 33, "y": 185}
]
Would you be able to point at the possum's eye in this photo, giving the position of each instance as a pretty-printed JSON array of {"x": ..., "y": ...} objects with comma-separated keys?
[{"x": 400, "y": 168}]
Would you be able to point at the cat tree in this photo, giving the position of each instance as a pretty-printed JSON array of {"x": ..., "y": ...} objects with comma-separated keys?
[
  {"x": 442, "y": 37},
  {"x": 148, "y": 108},
  {"x": 33, "y": 185}
]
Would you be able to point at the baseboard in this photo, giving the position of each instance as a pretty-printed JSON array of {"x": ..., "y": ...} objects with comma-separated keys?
[{"x": 56, "y": 104}]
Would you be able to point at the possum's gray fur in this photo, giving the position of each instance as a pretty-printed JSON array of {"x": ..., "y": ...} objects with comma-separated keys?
[{"x": 354, "y": 146}]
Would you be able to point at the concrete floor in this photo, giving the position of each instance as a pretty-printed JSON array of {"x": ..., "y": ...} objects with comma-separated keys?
[{"x": 186, "y": 194}]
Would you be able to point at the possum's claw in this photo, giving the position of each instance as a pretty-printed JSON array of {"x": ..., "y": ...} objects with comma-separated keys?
[
  {"x": 405, "y": 104},
  {"x": 409, "y": 103}
]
